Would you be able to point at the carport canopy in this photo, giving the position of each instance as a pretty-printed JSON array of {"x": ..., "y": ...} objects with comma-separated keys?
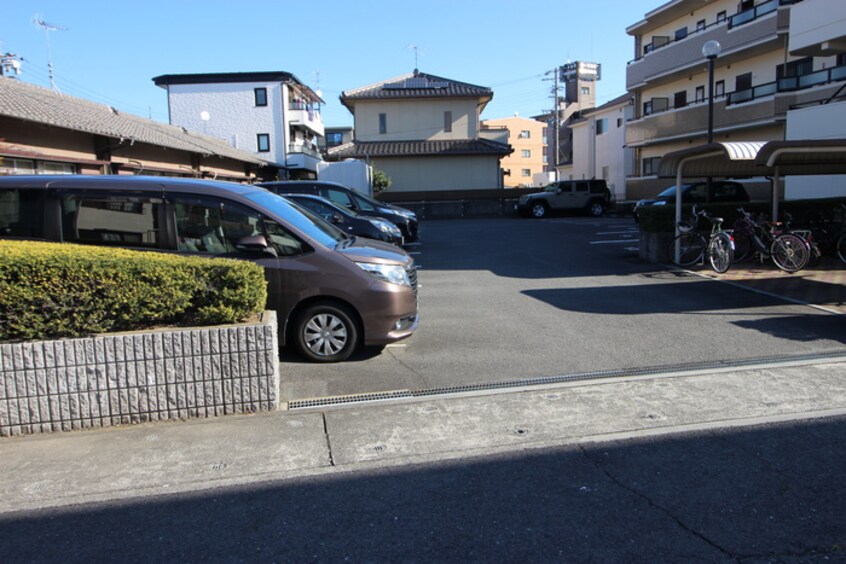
[{"x": 754, "y": 158}]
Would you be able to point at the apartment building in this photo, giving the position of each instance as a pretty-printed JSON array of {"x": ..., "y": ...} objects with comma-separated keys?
[
  {"x": 528, "y": 139},
  {"x": 599, "y": 151},
  {"x": 818, "y": 30},
  {"x": 271, "y": 114},
  {"x": 758, "y": 79}
]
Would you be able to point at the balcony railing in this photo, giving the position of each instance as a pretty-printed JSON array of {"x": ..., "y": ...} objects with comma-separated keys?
[
  {"x": 304, "y": 149},
  {"x": 789, "y": 84},
  {"x": 753, "y": 14},
  {"x": 738, "y": 19}
]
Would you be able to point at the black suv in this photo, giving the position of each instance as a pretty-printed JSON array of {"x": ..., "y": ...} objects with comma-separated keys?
[
  {"x": 697, "y": 193},
  {"x": 591, "y": 196},
  {"x": 405, "y": 219}
]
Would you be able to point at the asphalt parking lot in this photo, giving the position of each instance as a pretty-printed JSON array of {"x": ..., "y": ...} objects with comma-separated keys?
[{"x": 509, "y": 300}]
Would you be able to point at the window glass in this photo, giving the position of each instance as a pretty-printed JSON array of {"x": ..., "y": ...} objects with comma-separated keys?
[
  {"x": 319, "y": 208},
  {"x": 9, "y": 165},
  {"x": 581, "y": 187},
  {"x": 261, "y": 96},
  {"x": 447, "y": 121},
  {"x": 383, "y": 123},
  {"x": 299, "y": 218},
  {"x": 21, "y": 214},
  {"x": 697, "y": 192},
  {"x": 263, "y": 142},
  {"x": 105, "y": 219},
  {"x": 45, "y": 167},
  {"x": 215, "y": 227},
  {"x": 338, "y": 196},
  {"x": 363, "y": 204}
]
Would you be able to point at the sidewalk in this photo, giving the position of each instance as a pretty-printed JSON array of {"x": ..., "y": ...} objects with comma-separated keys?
[{"x": 122, "y": 463}]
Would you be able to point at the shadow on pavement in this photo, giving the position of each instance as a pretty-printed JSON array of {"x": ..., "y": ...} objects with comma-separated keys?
[{"x": 769, "y": 493}]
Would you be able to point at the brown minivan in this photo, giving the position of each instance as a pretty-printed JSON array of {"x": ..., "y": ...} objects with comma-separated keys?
[{"x": 332, "y": 293}]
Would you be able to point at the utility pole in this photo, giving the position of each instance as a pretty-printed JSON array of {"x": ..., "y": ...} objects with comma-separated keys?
[{"x": 556, "y": 116}]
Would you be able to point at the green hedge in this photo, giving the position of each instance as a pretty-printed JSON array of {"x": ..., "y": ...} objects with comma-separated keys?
[
  {"x": 660, "y": 219},
  {"x": 56, "y": 290}
]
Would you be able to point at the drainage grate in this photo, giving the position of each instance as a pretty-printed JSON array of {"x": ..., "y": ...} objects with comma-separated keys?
[{"x": 567, "y": 378}]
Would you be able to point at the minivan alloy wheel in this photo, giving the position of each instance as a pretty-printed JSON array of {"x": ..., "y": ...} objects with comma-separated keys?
[{"x": 326, "y": 333}]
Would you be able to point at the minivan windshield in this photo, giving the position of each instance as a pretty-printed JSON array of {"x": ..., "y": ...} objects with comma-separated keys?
[{"x": 300, "y": 218}]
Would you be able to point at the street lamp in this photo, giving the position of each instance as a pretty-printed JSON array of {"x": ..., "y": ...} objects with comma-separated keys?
[{"x": 711, "y": 50}]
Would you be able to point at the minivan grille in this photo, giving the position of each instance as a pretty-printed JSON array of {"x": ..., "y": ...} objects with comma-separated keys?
[{"x": 411, "y": 271}]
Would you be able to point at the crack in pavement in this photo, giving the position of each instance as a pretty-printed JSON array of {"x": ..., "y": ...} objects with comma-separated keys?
[{"x": 596, "y": 463}]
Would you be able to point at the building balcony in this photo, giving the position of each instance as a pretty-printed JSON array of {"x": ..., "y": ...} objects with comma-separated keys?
[
  {"x": 303, "y": 156},
  {"x": 741, "y": 36},
  {"x": 748, "y": 107},
  {"x": 306, "y": 117}
]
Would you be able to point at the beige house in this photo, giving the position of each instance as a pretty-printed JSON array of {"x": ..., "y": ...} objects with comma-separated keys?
[
  {"x": 599, "y": 151},
  {"x": 44, "y": 132},
  {"x": 528, "y": 138},
  {"x": 757, "y": 77},
  {"x": 424, "y": 132}
]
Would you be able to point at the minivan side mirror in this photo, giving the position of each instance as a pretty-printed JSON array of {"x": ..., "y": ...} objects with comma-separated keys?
[
  {"x": 255, "y": 244},
  {"x": 337, "y": 219}
]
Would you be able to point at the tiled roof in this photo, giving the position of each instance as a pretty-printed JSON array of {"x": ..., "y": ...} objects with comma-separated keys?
[
  {"x": 32, "y": 103},
  {"x": 359, "y": 149},
  {"x": 417, "y": 85}
]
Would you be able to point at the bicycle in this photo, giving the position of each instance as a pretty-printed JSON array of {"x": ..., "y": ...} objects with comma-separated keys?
[
  {"x": 766, "y": 240},
  {"x": 694, "y": 247}
]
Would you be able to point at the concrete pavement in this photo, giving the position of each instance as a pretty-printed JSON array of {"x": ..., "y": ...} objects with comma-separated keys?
[{"x": 124, "y": 463}]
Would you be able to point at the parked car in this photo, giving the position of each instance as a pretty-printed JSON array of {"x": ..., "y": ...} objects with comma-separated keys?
[
  {"x": 349, "y": 221},
  {"x": 332, "y": 293},
  {"x": 405, "y": 219},
  {"x": 590, "y": 196},
  {"x": 697, "y": 193}
]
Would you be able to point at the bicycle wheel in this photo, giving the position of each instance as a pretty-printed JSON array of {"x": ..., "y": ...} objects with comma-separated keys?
[
  {"x": 720, "y": 252},
  {"x": 691, "y": 247},
  {"x": 789, "y": 252},
  {"x": 841, "y": 247}
]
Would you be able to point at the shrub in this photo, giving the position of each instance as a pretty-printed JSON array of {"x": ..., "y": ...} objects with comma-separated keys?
[{"x": 55, "y": 290}]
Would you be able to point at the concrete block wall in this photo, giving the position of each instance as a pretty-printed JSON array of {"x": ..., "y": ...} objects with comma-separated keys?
[{"x": 131, "y": 378}]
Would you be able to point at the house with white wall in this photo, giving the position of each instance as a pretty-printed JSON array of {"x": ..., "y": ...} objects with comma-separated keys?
[{"x": 271, "y": 114}]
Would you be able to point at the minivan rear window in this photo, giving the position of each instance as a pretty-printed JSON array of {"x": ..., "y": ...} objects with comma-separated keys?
[
  {"x": 111, "y": 220},
  {"x": 21, "y": 214}
]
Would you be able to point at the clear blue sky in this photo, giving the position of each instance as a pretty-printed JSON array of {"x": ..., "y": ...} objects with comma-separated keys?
[{"x": 110, "y": 50}]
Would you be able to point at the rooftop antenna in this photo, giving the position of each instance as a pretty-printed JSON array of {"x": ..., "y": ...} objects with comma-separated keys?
[
  {"x": 48, "y": 27},
  {"x": 416, "y": 49},
  {"x": 317, "y": 90}
]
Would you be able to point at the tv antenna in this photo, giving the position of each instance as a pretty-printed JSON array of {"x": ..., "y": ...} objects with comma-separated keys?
[
  {"x": 417, "y": 50},
  {"x": 48, "y": 27}
]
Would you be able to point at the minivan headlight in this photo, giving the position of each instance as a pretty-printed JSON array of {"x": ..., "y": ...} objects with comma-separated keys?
[{"x": 393, "y": 273}]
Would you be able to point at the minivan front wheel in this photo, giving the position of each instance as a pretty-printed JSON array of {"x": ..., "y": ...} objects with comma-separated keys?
[{"x": 325, "y": 333}]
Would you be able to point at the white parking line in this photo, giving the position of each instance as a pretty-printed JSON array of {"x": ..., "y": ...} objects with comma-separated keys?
[
  {"x": 614, "y": 241},
  {"x": 627, "y": 232}
]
